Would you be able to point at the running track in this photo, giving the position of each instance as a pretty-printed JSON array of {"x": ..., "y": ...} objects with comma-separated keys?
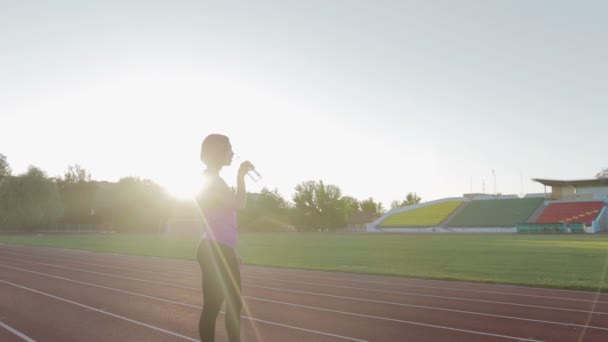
[{"x": 61, "y": 295}]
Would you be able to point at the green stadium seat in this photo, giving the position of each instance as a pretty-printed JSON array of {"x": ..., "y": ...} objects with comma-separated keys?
[{"x": 496, "y": 213}]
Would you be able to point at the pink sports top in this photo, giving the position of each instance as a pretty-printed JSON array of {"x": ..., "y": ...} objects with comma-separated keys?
[{"x": 217, "y": 204}]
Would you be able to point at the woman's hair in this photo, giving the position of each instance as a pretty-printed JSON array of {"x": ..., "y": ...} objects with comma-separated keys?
[{"x": 213, "y": 149}]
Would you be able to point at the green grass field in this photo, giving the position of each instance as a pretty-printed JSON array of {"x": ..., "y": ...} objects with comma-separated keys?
[{"x": 561, "y": 261}]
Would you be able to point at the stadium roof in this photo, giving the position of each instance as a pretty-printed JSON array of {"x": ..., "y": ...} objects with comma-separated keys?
[{"x": 593, "y": 181}]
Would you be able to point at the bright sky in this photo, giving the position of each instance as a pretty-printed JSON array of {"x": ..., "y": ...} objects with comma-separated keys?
[{"x": 378, "y": 97}]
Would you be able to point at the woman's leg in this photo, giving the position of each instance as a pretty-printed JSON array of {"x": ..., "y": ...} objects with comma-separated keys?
[
  {"x": 213, "y": 293},
  {"x": 234, "y": 304}
]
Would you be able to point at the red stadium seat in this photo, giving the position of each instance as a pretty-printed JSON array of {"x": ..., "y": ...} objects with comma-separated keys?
[{"x": 583, "y": 212}]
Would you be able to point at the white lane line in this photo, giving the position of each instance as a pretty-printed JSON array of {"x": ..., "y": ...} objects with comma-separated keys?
[
  {"x": 103, "y": 312},
  {"x": 319, "y": 294},
  {"x": 413, "y": 294},
  {"x": 348, "y": 313},
  {"x": 400, "y": 321},
  {"x": 16, "y": 332},
  {"x": 69, "y": 252},
  {"x": 181, "y": 303},
  {"x": 361, "y": 281},
  {"x": 303, "y": 329},
  {"x": 455, "y": 289},
  {"x": 355, "y": 299},
  {"x": 106, "y": 274},
  {"x": 293, "y": 272},
  {"x": 103, "y": 287},
  {"x": 436, "y": 308},
  {"x": 100, "y": 265}
]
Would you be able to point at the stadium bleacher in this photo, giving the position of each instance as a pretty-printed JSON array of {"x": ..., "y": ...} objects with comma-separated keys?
[
  {"x": 571, "y": 212},
  {"x": 496, "y": 212},
  {"x": 427, "y": 216}
]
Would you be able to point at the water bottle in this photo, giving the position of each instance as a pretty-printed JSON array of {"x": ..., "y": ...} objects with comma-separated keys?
[{"x": 254, "y": 175}]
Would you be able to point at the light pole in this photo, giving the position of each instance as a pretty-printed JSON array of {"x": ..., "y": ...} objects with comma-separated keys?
[{"x": 494, "y": 175}]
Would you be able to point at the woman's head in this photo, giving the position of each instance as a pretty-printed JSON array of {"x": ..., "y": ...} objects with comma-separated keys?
[{"x": 216, "y": 151}]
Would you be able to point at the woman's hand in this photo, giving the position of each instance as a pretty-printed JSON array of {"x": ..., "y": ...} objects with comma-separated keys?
[{"x": 245, "y": 167}]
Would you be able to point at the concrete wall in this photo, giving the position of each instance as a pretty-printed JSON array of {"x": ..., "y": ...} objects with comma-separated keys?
[
  {"x": 580, "y": 192},
  {"x": 535, "y": 195},
  {"x": 476, "y": 230},
  {"x": 476, "y": 197},
  {"x": 602, "y": 221},
  {"x": 596, "y": 193},
  {"x": 565, "y": 192},
  {"x": 485, "y": 230}
]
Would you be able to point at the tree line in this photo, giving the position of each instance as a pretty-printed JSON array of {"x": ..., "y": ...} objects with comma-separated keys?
[{"x": 32, "y": 200}]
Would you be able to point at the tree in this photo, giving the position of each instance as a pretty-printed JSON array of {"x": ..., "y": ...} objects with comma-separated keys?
[
  {"x": 411, "y": 199},
  {"x": 602, "y": 174},
  {"x": 351, "y": 205},
  {"x": 265, "y": 212},
  {"x": 78, "y": 194},
  {"x": 76, "y": 174},
  {"x": 29, "y": 201},
  {"x": 318, "y": 207},
  {"x": 370, "y": 205},
  {"x": 137, "y": 205},
  {"x": 5, "y": 169},
  {"x": 395, "y": 204}
]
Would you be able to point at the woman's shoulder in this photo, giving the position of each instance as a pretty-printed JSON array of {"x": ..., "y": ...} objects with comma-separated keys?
[
  {"x": 213, "y": 181},
  {"x": 213, "y": 191}
]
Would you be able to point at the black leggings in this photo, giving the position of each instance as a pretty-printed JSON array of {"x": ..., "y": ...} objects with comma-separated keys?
[{"x": 221, "y": 281}]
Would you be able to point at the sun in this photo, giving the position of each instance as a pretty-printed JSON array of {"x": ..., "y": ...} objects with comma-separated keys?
[{"x": 183, "y": 188}]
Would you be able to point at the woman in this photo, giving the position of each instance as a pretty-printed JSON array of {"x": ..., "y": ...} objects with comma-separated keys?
[{"x": 216, "y": 252}]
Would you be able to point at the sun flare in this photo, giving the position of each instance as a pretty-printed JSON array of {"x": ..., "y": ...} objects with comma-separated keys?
[{"x": 183, "y": 188}]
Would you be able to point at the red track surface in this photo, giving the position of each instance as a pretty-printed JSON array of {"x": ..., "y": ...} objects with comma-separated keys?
[{"x": 60, "y": 295}]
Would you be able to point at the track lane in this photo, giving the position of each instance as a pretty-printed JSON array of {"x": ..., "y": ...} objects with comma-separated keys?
[{"x": 150, "y": 267}]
